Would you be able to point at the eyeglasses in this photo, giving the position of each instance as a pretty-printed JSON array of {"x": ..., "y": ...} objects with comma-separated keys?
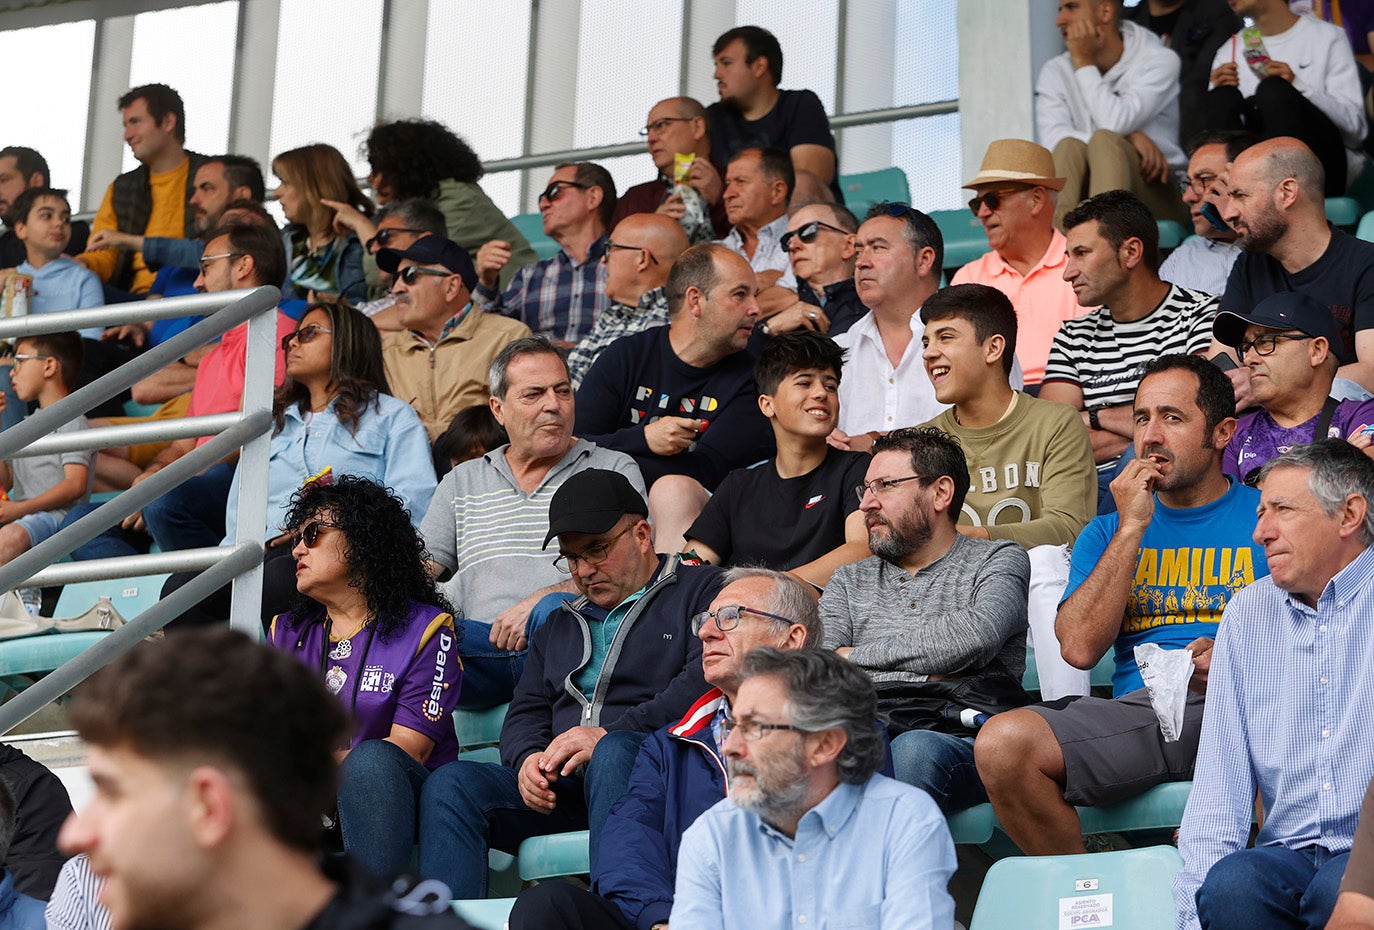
[
  {"x": 555, "y": 188},
  {"x": 992, "y": 198},
  {"x": 1198, "y": 183},
  {"x": 612, "y": 246},
  {"x": 23, "y": 357},
  {"x": 383, "y": 237},
  {"x": 592, "y": 555},
  {"x": 881, "y": 485},
  {"x": 1265, "y": 344},
  {"x": 807, "y": 233},
  {"x": 310, "y": 533},
  {"x": 410, "y": 274},
  {"x": 305, "y": 334},
  {"x": 658, "y": 125},
  {"x": 753, "y": 731},
  {"x": 727, "y": 617},
  {"x": 205, "y": 260}
]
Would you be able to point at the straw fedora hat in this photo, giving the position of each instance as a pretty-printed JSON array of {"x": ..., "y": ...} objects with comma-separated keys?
[{"x": 1017, "y": 161}]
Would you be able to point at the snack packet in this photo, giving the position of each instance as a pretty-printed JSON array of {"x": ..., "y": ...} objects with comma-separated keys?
[
  {"x": 1256, "y": 56},
  {"x": 1166, "y": 673}
]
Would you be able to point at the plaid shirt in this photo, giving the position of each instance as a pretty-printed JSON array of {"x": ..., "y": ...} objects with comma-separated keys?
[
  {"x": 555, "y": 296},
  {"x": 615, "y": 322}
]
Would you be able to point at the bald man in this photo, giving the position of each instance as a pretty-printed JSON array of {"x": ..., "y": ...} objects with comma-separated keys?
[
  {"x": 1277, "y": 208},
  {"x": 678, "y": 126},
  {"x": 642, "y": 249}
]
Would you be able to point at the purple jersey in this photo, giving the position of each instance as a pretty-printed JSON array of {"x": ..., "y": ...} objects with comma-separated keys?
[
  {"x": 1258, "y": 438},
  {"x": 412, "y": 680}
]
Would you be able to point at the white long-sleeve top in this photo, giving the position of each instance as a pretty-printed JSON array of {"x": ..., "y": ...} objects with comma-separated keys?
[
  {"x": 1323, "y": 71},
  {"x": 1139, "y": 92}
]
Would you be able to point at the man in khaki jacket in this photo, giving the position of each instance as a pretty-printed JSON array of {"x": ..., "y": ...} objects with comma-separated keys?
[{"x": 438, "y": 364}]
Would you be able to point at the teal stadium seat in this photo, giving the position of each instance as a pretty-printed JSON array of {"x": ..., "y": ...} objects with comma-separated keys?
[
  {"x": 485, "y": 913},
  {"x": 34, "y": 655},
  {"x": 1343, "y": 212},
  {"x": 558, "y": 855},
  {"x": 862, "y": 191},
  {"x": 1171, "y": 235},
  {"x": 130, "y": 596},
  {"x": 531, "y": 226},
  {"x": 1126, "y": 890},
  {"x": 963, "y": 235},
  {"x": 1365, "y": 230},
  {"x": 478, "y": 728}
]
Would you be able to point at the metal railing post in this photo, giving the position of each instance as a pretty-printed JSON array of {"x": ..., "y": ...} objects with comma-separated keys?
[{"x": 246, "y": 609}]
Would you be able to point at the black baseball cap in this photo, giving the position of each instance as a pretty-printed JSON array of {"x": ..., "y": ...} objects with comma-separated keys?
[
  {"x": 1289, "y": 310},
  {"x": 592, "y": 501},
  {"x": 431, "y": 250}
]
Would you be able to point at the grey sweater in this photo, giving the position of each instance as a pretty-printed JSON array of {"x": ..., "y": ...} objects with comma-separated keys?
[{"x": 949, "y": 619}]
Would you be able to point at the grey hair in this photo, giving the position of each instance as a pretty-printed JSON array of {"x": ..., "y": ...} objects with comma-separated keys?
[
  {"x": 416, "y": 213},
  {"x": 530, "y": 345},
  {"x": 1337, "y": 470},
  {"x": 790, "y": 599},
  {"x": 826, "y": 692}
]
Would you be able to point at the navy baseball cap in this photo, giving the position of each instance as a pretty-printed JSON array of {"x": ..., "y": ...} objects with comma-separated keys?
[
  {"x": 1289, "y": 310},
  {"x": 431, "y": 250},
  {"x": 592, "y": 501}
]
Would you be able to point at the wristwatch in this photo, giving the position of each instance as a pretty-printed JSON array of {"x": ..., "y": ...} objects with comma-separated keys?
[
  {"x": 1092, "y": 418},
  {"x": 763, "y": 328}
]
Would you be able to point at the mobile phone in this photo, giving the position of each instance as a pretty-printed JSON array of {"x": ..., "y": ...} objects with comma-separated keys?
[
  {"x": 1224, "y": 362},
  {"x": 1210, "y": 214}
]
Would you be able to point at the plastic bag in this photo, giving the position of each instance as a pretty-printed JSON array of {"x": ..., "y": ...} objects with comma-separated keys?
[{"x": 1166, "y": 673}]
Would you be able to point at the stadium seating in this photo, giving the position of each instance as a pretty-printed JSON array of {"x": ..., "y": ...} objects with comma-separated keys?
[
  {"x": 485, "y": 913},
  {"x": 478, "y": 728},
  {"x": 556, "y": 855},
  {"x": 862, "y": 191},
  {"x": 1171, "y": 235},
  {"x": 1365, "y": 230},
  {"x": 531, "y": 226},
  {"x": 963, "y": 235},
  {"x": 1343, "y": 212}
]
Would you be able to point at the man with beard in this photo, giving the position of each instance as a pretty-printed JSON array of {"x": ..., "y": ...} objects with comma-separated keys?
[
  {"x": 811, "y": 834},
  {"x": 1158, "y": 571},
  {"x": 1276, "y": 206},
  {"x": 929, "y": 603}
]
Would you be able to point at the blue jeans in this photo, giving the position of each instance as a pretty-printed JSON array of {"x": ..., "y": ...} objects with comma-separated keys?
[
  {"x": 191, "y": 515},
  {"x": 1271, "y": 887},
  {"x": 379, "y": 801},
  {"x": 490, "y": 674},
  {"x": 608, "y": 775},
  {"x": 107, "y": 545},
  {"x": 941, "y": 765},
  {"x": 467, "y": 808}
]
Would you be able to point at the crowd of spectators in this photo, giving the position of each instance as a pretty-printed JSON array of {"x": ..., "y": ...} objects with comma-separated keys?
[{"x": 796, "y": 485}]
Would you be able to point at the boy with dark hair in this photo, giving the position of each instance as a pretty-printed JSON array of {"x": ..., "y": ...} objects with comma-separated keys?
[
  {"x": 42, "y": 488},
  {"x": 1029, "y": 460},
  {"x": 21, "y": 168},
  {"x": 796, "y": 511},
  {"x": 42, "y": 220}
]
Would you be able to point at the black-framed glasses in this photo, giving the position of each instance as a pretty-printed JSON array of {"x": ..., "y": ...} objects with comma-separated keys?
[
  {"x": 592, "y": 555},
  {"x": 310, "y": 532},
  {"x": 306, "y": 333},
  {"x": 658, "y": 125},
  {"x": 24, "y": 357},
  {"x": 880, "y": 485},
  {"x": 555, "y": 188},
  {"x": 993, "y": 198},
  {"x": 1266, "y": 343},
  {"x": 807, "y": 232},
  {"x": 383, "y": 237},
  {"x": 411, "y": 273},
  {"x": 754, "y": 731},
  {"x": 612, "y": 246},
  {"x": 205, "y": 260},
  {"x": 727, "y": 617},
  {"x": 1198, "y": 183}
]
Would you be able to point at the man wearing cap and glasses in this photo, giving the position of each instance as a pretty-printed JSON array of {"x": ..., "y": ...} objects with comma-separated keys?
[
  {"x": 439, "y": 362},
  {"x": 615, "y": 663},
  {"x": 1286, "y": 344},
  {"x": 561, "y": 295},
  {"x": 1014, "y": 197}
]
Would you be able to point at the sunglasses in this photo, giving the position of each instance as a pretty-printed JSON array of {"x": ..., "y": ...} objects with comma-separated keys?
[
  {"x": 612, "y": 246},
  {"x": 383, "y": 237},
  {"x": 310, "y": 533},
  {"x": 992, "y": 198},
  {"x": 807, "y": 233},
  {"x": 412, "y": 273},
  {"x": 555, "y": 188},
  {"x": 305, "y": 334}
]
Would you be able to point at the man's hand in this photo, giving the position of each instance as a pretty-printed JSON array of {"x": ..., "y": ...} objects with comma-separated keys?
[
  {"x": 672, "y": 435},
  {"x": 859, "y": 442},
  {"x": 1153, "y": 167},
  {"x": 843, "y": 651},
  {"x": 673, "y": 207},
  {"x": 508, "y": 629},
  {"x": 1278, "y": 69},
  {"x": 114, "y": 239},
  {"x": 1202, "y": 662},
  {"x": 1240, "y": 383},
  {"x": 1084, "y": 41},
  {"x": 706, "y": 179},
  {"x": 134, "y": 521},
  {"x": 767, "y": 279},
  {"x": 534, "y": 785},
  {"x": 491, "y": 258},
  {"x": 349, "y": 219},
  {"x": 1133, "y": 490},
  {"x": 135, "y": 334},
  {"x": 569, "y": 750},
  {"x": 1226, "y": 75},
  {"x": 798, "y": 316}
]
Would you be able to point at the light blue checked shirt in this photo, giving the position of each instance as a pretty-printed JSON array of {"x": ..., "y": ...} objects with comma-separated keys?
[{"x": 1290, "y": 710}]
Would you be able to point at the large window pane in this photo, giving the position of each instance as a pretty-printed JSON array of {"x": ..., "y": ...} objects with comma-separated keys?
[
  {"x": 614, "y": 89},
  {"x": 927, "y": 149},
  {"x": 806, "y": 32},
  {"x": 927, "y": 63},
  {"x": 191, "y": 50},
  {"x": 56, "y": 127}
]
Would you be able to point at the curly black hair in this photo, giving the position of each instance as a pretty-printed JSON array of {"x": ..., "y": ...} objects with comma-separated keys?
[
  {"x": 409, "y": 158},
  {"x": 385, "y": 555}
]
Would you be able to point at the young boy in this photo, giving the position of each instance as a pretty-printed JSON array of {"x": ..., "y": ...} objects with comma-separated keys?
[
  {"x": 42, "y": 488},
  {"x": 798, "y": 511},
  {"x": 1030, "y": 460},
  {"x": 42, "y": 220}
]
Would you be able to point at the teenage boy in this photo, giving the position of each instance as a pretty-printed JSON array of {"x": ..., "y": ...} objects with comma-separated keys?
[
  {"x": 797, "y": 511},
  {"x": 42, "y": 220},
  {"x": 42, "y": 488},
  {"x": 1030, "y": 461}
]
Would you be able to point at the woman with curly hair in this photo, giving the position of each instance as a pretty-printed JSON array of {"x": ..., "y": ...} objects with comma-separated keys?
[
  {"x": 322, "y": 259},
  {"x": 422, "y": 158},
  {"x": 383, "y": 639}
]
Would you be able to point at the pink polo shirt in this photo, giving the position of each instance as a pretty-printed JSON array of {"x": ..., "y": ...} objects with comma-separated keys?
[
  {"x": 1043, "y": 300},
  {"x": 219, "y": 376}
]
